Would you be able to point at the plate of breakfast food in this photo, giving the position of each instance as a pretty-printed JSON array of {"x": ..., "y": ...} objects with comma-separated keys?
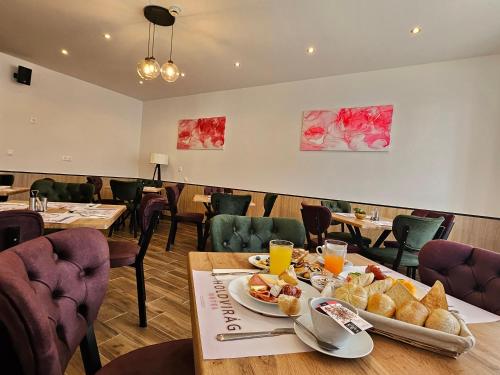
[
  {"x": 272, "y": 295},
  {"x": 398, "y": 308}
]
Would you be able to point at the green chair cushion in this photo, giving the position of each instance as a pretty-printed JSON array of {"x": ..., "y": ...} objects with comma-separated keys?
[
  {"x": 63, "y": 191},
  {"x": 346, "y": 237},
  {"x": 389, "y": 254},
  {"x": 231, "y": 233}
]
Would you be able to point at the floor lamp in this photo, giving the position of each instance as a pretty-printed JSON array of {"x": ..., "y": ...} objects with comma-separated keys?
[{"x": 158, "y": 160}]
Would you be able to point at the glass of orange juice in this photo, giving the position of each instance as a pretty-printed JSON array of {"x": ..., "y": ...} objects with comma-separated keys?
[
  {"x": 280, "y": 256},
  {"x": 334, "y": 253}
]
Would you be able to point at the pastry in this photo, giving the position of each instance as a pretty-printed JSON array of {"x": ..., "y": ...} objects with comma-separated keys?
[
  {"x": 354, "y": 294},
  {"x": 408, "y": 285},
  {"x": 412, "y": 312},
  {"x": 288, "y": 304},
  {"x": 443, "y": 320},
  {"x": 381, "y": 304},
  {"x": 362, "y": 279},
  {"x": 379, "y": 286},
  {"x": 436, "y": 298},
  {"x": 400, "y": 295}
]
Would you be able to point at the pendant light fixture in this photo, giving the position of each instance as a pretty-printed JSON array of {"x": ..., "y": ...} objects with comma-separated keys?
[
  {"x": 170, "y": 71},
  {"x": 149, "y": 68}
]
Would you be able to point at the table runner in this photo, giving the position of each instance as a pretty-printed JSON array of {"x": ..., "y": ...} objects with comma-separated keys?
[{"x": 219, "y": 313}]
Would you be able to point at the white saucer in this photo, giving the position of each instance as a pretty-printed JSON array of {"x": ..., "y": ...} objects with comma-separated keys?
[
  {"x": 238, "y": 289},
  {"x": 358, "y": 346}
]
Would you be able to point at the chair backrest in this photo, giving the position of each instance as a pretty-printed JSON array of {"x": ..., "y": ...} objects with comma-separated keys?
[
  {"x": 173, "y": 195},
  {"x": 126, "y": 191},
  {"x": 19, "y": 226},
  {"x": 316, "y": 220},
  {"x": 269, "y": 200},
  {"x": 148, "y": 182},
  {"x": 149, "y": 212},
  {"x": 6, "y": 179},
  {"x": 64, "y": 191},
  {"x": 231, "y": 233},
  {"x": 209, "y": 190},
  {"x": 337, "y": 206},
  {"x": 468, "y": 273},
  {"x": 230, "y": 204},
  {"x": 414, "y": 231},
  {"x": 447, "y": 225},
  {"x": 51, "y": 289},
  {"x": 97, "y": 182}
]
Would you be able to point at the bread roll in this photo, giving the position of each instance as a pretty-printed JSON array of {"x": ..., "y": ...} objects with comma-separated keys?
[
  {"x": 378, "y": 286},
  {"x": 400, "y": 295},
  {"x": 353, "y": 294},
  {"x": 443, "y": 320},
  {"x": 412, "y": 312},
  {"x": 362, "y": 279},
  {"x": 288, "y": 304},
  {"x": 381, "y": 304}
]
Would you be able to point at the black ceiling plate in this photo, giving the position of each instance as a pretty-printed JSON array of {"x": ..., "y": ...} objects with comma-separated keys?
[{"x": 158, "y": 15}]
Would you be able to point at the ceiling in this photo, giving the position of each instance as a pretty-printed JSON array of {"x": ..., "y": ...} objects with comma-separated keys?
[{"x": 268, "y": 37}]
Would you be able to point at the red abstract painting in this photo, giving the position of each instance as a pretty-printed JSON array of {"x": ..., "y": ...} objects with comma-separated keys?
[
  {"x": 347, "y": 129},
  {"x": 201, "y": 134}
]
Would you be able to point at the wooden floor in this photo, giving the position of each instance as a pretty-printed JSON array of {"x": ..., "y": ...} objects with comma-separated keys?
[{"x": 117, "y": 328}]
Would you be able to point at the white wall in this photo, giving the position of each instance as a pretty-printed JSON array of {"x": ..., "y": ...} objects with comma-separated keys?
[
  {"x": 100, "y": 129},
  {"x": 445, "y": 151}
]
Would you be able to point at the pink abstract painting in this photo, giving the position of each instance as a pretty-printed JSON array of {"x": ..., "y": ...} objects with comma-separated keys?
[
  {"x": 201, "y": 134},
  {"x": 347, "y": 129}
]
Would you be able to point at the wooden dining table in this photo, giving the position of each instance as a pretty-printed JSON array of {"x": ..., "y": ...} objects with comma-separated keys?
[
  {"x": 82, "y": 222},
  {"x": 152, "y": 189},
  {"x": 387, "y": 357},
  {"x": 5, "y": 192},
  {"x": 354, "y": 225}
]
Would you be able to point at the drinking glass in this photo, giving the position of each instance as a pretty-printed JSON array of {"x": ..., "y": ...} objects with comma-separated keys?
[
  {"x": 280, "y": 256},
  {"x": 334, "y": 253}
]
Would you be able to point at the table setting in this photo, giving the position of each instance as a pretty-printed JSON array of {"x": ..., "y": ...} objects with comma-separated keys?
[{"x": 239, "y": 316}]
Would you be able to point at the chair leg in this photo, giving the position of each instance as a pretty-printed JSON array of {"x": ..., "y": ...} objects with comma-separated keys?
[
  {"x": 205, "y": 235},
  {"x": 199, "y": 229},
  {"x": 111, "y": 228},
  {"x": 171, "y": 234},
  {"x": 414, "y": 273},
  {"x": 141, "y": 294},
  {"x": 90, "y": 352}
]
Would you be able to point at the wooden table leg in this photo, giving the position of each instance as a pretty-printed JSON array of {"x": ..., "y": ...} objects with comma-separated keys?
[{"x": 382, "y": 238}]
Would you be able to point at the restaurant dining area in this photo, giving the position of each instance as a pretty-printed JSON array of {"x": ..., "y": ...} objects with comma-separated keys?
[{"x": 249, "y": 187}]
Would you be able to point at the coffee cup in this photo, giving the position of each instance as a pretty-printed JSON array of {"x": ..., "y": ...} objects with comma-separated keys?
[{"x": 325, "y": 327}]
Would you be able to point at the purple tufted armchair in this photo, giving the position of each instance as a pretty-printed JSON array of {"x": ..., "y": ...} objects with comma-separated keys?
[
  {"x": 17, "y": 226},
  {"x": 468, "y": 273},
  {"x": 51, "y": 289}
]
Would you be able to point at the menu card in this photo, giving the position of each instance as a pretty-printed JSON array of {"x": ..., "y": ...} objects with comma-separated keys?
[{"x": 219, "y": 313}]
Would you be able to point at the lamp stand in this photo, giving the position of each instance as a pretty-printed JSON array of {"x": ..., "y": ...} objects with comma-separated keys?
[{"x": 157, "y": 169}]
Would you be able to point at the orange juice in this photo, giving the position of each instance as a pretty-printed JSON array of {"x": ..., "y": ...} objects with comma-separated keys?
[
  {"x": 280, "y": 254},
  {"x": 334, "y": 263}
]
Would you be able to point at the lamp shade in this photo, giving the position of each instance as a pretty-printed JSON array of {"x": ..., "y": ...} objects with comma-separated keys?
[{"x": 156, "y": 158}]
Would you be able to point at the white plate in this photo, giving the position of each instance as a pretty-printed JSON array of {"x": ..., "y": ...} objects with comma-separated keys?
[
  {"x": 238, "y": 289},
  {"x": 360, "y": 269},
  {"x": 358, "y": 346},
  {"x": 253, "y": 260}
]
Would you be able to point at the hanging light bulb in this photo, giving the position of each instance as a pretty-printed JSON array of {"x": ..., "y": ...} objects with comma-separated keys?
[
  {"x": 148, "y": 68},
  {"x": 169, "y": 71}
]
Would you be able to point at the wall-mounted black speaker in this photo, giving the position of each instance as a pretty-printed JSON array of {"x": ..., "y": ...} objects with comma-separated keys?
[{"x": 23, "y": 75}]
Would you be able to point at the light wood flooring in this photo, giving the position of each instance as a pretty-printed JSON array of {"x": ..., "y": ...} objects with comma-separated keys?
[{"x": 117, "y": 326}]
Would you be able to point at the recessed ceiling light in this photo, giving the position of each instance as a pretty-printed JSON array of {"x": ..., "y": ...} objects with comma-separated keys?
[
  {"x": 183, "y": 74},
  {"x": 311, "y": 50},
  {"x": 237, "y": 64},
  {"x": 141, "y": 82},
  {"x": 416, "y": 30},
  {"x": 64, "y": 52},
  {"x": 107, "y": 36}
]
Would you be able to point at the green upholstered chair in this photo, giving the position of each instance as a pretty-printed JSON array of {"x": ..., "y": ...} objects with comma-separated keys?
[
  {"x": 6, "y": 180},
  {"x": 128, "y": 193},
  {"x": 231, "y": 233},
  {"x": 228, "y": 204},
  {"x": 269, "y": 200},
  {"x": 412, "y": 233},
  {"x": 64, "y": 191}
]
